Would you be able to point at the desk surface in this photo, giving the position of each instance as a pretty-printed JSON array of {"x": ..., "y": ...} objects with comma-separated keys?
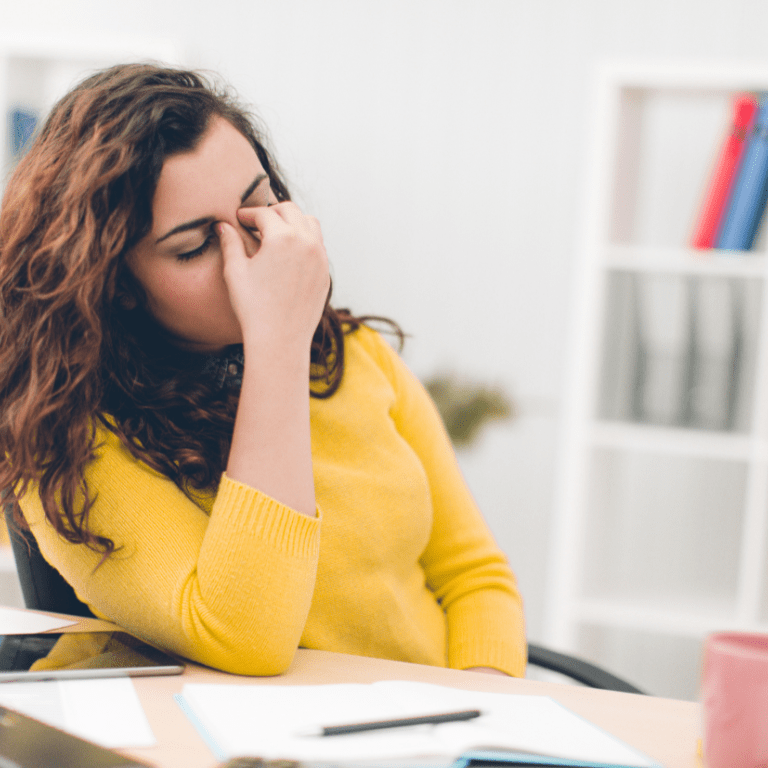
[{"x": 665, "y": 729}]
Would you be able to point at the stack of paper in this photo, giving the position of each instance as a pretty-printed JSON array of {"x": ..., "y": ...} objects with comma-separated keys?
[{"x": 273, "y": 722}]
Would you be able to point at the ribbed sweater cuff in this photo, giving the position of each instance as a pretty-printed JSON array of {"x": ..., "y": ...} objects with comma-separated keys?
[
  {"x": 486, "y": 629},
  {"x": 240, "y": 507}
]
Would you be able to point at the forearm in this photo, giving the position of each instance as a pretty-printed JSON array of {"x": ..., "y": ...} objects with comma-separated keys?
[
  {"x": 278, "y": 286},
  {"x": 231, "y": 590},
  {"x": 271, "y": 446}
]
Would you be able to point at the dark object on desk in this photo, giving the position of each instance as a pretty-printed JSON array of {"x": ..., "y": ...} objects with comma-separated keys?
[
  {"x": 448, "y": 717},
  {"x": 28, "y": 743},
  {"x": 76, "y": 655},
  {"x": 45, "y": 589}
]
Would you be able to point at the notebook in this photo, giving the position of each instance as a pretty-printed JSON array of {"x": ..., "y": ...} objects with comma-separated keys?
[{"x": 273, "y": 722}]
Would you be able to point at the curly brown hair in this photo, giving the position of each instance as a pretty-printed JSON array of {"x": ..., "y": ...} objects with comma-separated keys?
[{"x": 77, "y": 347}]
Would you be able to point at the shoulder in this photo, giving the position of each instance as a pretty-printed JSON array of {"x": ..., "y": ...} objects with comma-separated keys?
[
  {"x": 369, "y": 342},
  {"x": 375, "y": 348}
]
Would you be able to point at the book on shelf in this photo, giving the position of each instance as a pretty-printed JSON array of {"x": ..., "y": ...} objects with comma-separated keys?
[
  {"x": 678, "y": 350},
  {"x": 715, "y": 352},
  {"x": 663, "y": 344},
  {"x": 22, "y": 124},
  {"x": 623, "y": 360},
  {"x": 725, "y": 171},
  {"x": 750, "y": 191}
]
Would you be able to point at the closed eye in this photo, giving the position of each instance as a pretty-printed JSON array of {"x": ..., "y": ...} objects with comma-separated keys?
[{"x": 188, "y": 255}]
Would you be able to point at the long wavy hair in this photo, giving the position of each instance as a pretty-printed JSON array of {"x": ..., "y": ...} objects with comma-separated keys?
[{"x": 78, "y": 349}]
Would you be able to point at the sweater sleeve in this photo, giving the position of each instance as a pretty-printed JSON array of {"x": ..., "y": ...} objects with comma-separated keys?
[
  {"x": 464, "y": 567},
  {"x": 231, "y": 591}
]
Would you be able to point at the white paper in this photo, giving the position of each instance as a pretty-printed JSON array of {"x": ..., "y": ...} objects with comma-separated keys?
[
  {"x": 270, "y": 722},
  {"x": 16, "y": 622},
  {"x": 105, "y": 711}
]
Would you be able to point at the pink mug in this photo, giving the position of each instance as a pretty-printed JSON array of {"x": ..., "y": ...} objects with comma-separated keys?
[{"x": 734, "y": 694}]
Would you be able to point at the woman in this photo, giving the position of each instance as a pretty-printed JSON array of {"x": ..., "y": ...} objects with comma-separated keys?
[{"x": 211, "y": 455}]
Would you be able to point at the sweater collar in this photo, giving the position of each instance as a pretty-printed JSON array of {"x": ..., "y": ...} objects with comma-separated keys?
[{"x": 226, "y": 370}]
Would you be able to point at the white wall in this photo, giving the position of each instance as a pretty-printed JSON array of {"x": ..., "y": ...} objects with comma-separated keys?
[{"x": 440, "y": 142}]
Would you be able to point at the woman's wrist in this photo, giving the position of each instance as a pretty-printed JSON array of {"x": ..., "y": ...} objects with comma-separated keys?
[{"x": 279, "y": 355}]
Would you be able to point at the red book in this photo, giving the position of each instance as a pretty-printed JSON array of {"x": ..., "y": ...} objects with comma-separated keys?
[{"x": 725, "y": 172}]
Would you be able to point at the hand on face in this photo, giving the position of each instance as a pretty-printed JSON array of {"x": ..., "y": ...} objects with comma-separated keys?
[
  {"x": 262, "y": 279},
  {"x": 279, "y": 292}
]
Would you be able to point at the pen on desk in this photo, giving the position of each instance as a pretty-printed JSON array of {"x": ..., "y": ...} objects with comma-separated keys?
[{"x": 447, "y": 717}]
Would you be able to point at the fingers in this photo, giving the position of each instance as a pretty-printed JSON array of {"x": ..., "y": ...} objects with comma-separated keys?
[
  {"x": 274, "y": 222},
  {"x": 282, "y": 290},
  {"x": 267, "y": 219},
  {"x": 229, "y": 238},
  {"x": 232, "y": 245}
]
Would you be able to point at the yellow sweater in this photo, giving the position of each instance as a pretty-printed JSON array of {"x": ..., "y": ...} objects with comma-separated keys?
[{"x": 397, "y": 564}]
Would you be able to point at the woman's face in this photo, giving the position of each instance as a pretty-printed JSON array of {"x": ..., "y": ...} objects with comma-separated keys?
[{"x": 179, "y": 263}]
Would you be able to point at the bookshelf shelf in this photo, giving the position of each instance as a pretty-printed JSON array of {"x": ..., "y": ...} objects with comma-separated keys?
[
  {"x": 36, "y": 70},
  {"x": 666, "y": 619},
  {"x": 660, "y": 530},
  {"x": 684, "y": 261},
  {"x": 670, "y": 441}
]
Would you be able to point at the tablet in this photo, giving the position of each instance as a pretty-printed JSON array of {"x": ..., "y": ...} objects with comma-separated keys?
[{"x": 70, "y": 655}]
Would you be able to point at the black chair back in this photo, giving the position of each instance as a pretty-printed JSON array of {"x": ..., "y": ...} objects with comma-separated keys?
[
  {"x": 42, "y": 586},
  {"x": 578, "y": 669}
]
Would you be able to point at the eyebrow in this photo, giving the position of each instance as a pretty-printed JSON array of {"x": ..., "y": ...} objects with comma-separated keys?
[{"x": 197, "y": 223}]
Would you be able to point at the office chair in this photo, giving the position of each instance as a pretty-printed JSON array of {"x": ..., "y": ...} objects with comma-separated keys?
[
  {"x": 42, "y": 586},
  {"x": 577, "y": 669},
  {"x": 45, "y": 589}
]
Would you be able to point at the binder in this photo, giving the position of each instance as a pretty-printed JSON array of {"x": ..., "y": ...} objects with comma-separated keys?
[
  {"x": 725, "y": 172},
  {"x": 22, "y": 124},
  {"x": 661, "y": 379},
  {"x": 715, "y": 352},
  {"x": 750, "y": 192}
]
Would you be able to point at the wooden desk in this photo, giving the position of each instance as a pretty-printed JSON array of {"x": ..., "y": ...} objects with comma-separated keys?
[{"x": 665, "y": 729}]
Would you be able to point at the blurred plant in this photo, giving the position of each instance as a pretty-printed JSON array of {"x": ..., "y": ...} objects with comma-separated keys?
[{"x": 466, "y": 406}]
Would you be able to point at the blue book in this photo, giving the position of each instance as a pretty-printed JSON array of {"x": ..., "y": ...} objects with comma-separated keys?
[
  {"x": 23, "y": 122},
  {"x": 750, "y": 192}
]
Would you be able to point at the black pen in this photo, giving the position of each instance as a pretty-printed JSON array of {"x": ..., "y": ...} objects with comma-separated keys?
[{"x": 448, "y": 717}]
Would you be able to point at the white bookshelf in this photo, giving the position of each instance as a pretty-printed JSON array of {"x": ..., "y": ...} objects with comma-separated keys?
[
  {"x": 34, "y": 73},
  {"x": 660, "y": 528}
]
